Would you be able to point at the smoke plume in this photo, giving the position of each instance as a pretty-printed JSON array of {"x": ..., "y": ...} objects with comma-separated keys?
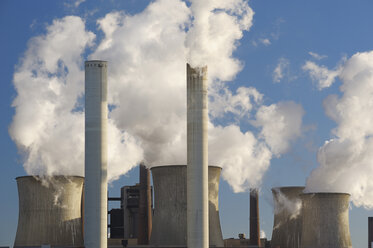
[
  {"x": 147, "y": 54},
  {"x": 346, "y": 159}
]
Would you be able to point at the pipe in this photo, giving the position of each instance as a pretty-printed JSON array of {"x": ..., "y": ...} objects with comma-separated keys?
[
  {"x": 197, "y": 158},
  {"x": 95, "y": 228},
  {"x": 254, "y": 218}
]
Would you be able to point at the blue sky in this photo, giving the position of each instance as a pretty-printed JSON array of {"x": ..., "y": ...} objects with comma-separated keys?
[{"x": 288, "y": 54}]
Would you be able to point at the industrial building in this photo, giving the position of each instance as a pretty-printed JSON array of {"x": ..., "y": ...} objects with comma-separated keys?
[{"x": 180, "y": 209}]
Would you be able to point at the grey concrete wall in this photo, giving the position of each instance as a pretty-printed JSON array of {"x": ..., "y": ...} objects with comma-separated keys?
[
  {"x": 325, "y": 220},
  {"x": 287, "y": 224},
  {"x": 170, "y": 206},
  {"x": 50, "y": 211}
]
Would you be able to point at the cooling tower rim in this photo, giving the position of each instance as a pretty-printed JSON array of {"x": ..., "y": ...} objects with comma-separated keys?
[
  {"x": 180, "y": 165},
  {"x": 325, "y": 194},
  {"x": 95, "y": 61},
  {"x": 287, "y": 188},
  {"x": 51, "y": 176}
]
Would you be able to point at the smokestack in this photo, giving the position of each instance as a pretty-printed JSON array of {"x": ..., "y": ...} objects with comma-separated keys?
[
  {"x": 287, "y": 224},
  {"x": 95, "y": 202},
  {"x": 254, "y": 218},
  {"x": 370, "y": 232},
  {"x": 197, "y": 158},
  {"x": 145, "y": 207},
  {"x": 325, "y": 220},
  {"x": 49, "y": 211}
]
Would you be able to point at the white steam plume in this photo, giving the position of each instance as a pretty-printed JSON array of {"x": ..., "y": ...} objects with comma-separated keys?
[
  {"x": 292, "y": 206},
  {"x": 48, "y": 120},
  {"x": 147, "y": 53},
  {"x": 48, "y": 126},
  {"x": 346, "y": 159}
]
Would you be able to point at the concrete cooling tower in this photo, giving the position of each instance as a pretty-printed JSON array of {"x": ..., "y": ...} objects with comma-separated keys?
[
  {"x": 50, "y": 211},
  {"x": 170, "y": 206},
  {"x": 325, "y": 220},
  {"x": 287, "y": 225}
]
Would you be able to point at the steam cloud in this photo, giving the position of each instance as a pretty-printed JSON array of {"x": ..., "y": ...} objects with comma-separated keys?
[
  {"x": 147, "y": 95},
  {"x": 346, "y": 159}
]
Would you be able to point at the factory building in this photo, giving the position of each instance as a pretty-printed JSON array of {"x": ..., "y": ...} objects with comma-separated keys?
[{"x": 70, "y": 211}]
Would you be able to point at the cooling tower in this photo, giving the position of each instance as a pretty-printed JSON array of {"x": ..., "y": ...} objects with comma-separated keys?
[
  {"x": 287, "y": 224},
  {"x": 170, "y": 206},
  {"x": 325, "y": 220},
  {"x": 49, "y": 211},
  {"x": 197, "y": 158}
]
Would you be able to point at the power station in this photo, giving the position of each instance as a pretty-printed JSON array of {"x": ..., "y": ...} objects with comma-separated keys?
[{"x": 180, "y": 209}]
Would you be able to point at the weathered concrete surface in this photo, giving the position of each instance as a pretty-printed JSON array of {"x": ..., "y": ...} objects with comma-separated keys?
[
  {"x": 50, "y": 211},
  {"x": 287, "y": 225},
  {"x": 170, "y": 206},
  {"x": 197, "y": 158},
  {"x": 95, "y": 208},
  {"x": 325, "y": 220}
]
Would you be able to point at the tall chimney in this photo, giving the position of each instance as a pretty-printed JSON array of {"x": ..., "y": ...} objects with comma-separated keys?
[
  {"x": 254, "y": 218},
  {"x": 145, "y": 207},
  {"x": 95, "y": 192},
  {"x": 370, "y": 232},
  {"x": 197, "y": 158}
]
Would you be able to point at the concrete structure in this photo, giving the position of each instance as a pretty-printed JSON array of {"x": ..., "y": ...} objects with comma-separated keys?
[
  {"x": 170, "y": 206},
  {"x": 287, "y": 225},
  {"x": 325, "y": 220},
  {"x": 197, "y": 158},
  {"x": 130, "y": 204},
  {"x": 370, "y": 232},
  {"x": 254, "y": 218},
  {"x": 145, "y": 207},
  {"x": 242, "y": 242},
  {"x": 50, "y": 211},
  {"x": 96, "y": 109}
]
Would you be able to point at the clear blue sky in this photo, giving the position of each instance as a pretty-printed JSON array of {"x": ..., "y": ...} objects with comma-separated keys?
[{"x": 283, "y": 37}]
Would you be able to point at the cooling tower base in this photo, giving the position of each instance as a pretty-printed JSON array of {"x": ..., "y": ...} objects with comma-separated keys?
[{"x": 170, "y": 207}]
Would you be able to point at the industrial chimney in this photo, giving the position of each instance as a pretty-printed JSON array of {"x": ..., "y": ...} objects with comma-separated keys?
[
  {"x": 254, "y": 218},
  {"x": 325, "y": 220},
  {"x": 370, "y": 232},
  {"x": 197, "y": 158},
  {"x": 95, "y": 216},
  {"x": 145, "y": 207},
  {"x": 287, "y": 224},
  {"x": 49, "y": 211},
  {"x": 170, "y": 206}
]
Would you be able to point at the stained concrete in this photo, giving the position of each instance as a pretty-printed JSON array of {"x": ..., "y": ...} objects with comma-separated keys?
[
  {"x": 170, "y": 206},
  {"x": 50, "y": 211},
  {"x": 197, "y": 158},
  {"x": 287, "y": 225},
  {"x": 325, "y": 220},
  {"x": 96, "y": 111}
]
